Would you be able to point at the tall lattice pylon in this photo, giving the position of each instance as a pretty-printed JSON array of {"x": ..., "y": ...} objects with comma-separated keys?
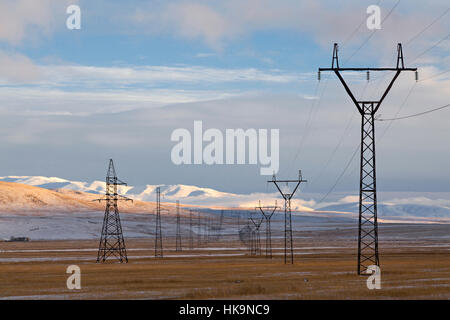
[
  {"x": 178, "y": 240},
  {"x": 368, "y": 224},
  {"x": 287, "y": 196},
  {"x": 112, "y": 242},
  {"x": 267, "y": 212},
  {"x": 158, "y": 234}
]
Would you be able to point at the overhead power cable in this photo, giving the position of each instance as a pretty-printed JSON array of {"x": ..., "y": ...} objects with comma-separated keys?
[{"x": 416, "y": 114}]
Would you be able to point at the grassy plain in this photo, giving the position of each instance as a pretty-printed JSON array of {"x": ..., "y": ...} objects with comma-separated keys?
[{"x": 324, "y": 269}]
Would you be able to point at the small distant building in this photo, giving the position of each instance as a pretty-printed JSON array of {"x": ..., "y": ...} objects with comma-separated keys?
[{"x": 19, "y": 239}]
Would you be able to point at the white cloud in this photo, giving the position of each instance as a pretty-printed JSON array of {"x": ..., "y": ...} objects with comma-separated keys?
[
  {"x": 31, "y": 89},
  {"x": 195, "y": 20},
  {"x": 17, "y": 68},
  {"x": 217, "y": 22},
  {"x": 27, "y": 19},
  {"x": 54, "y": 101},
  {"x": 157, "y": 74}
]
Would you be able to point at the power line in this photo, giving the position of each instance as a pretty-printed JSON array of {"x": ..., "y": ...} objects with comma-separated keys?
[
  {"x": 416, "y": 114},
  {"x": 436, "y": 44},
  {"x": 344, "y": 134},
  {"x": 427, "y": 27},
  {"x": 340, "y": 175},
  {"x": 360, "y": 25},
  {"x": 399, "y": 109},
  {"x": 363, "y": 44},
  {"x": 373, "y": 32},
  {"x": 434, "y": 76},
  {"x": 414, "y": 85},
  {"x": 408, "y": 95},
  {"x": 356, "y": 150},
  {"x": 307, "y": 125},
  {"x": 414, "y": 38},
  {"x": 326, "y": 83}
]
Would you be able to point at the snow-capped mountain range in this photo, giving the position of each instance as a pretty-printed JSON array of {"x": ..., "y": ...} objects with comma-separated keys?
[
  {"x": 187, "y": 194},
  {"x": 431, "y": 209}
]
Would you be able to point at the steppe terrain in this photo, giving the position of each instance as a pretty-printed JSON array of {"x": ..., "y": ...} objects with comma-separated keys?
[
  {"x": 64, "y": 227},
  {"x": 324, "y": 269}
]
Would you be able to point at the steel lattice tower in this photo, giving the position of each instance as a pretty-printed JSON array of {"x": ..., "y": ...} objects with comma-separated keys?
[
  {"x": 178, "y": 240},
  {"x": 268, "y": 212},
  {"x": 199, "y": 234},
  {"x": 191, "y": 232},
  {"x": 219, "y": 228},
  {"x": 158, "y": 234},
  {"x": 205, "y": 229},
  {"x": 255, "y": 236},
  {"x": 112, "y": 242},
  {"x": 368, "y": 225},
  {"x": 288, "y": 243}
]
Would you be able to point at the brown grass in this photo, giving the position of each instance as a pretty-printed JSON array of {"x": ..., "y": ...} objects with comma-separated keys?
[{"x": 409, "y": 271}]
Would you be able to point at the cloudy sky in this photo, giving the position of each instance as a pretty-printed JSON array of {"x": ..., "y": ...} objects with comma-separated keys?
[{"x": 137, "y": 70}]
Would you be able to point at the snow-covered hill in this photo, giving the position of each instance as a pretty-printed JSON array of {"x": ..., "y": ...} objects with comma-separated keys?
[
  {"x": 21, "y": 199},
  {"x": 405, "y": 208},
  {"x": 186, "y": 194}
]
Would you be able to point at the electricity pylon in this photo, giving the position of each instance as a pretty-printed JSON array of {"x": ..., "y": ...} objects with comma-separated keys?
[
  {"x": 199, "y": 230},
  {"x": 256, "y": 240},
  {"x": 191, "y": 232},
  {"x": 178, "y": 240},
  {"x": 112, "y": 242},
  {"x": 158, "y": 235},
  {"x": 219, "y": 228},
  {"x": 368, "y": 225},
  {"x": 287, "y": 196},
  {"x": 268, "y": 212}
]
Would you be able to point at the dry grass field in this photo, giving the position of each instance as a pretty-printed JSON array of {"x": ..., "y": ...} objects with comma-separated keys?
[{"x": 324, "y": 269}]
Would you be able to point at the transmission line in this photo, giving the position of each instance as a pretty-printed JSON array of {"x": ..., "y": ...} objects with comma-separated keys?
[
  {"x": 340, "y": 175},
  {"x": 427, "y": 27},
  {"x": 416, "y": 114},
  {"x": 434, "y": 76},
  {"x": 434, "y": 45},
  {"x": 344, "y": 134},
  {"x": 380, "y": 79},
  {"x": 373, "y": 32},
  {"x": 299, "y": 148}
]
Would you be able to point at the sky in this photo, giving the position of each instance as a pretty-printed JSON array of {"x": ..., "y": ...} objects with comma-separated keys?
[{"x": 137, "y": 70}]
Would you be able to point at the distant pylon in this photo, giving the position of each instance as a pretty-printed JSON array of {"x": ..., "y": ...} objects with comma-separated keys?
[
  {"x": 205, "y": 229},
  {"x": 199, "y": 229},
  {"x": 268, "y": 212},
  {"x": 178, "y": 240},
  {"x": 208, "y": 229},
  {"x": 219, "y": 227},
  {"x": 256, "y": 239},
  {"x": 191, "y": 231},
  {"x": 112, "y": 242},
  {"x": 158, "y": 235},
  {"x": 239, "y": 221},
  {"x": 287, "y": 196}
]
